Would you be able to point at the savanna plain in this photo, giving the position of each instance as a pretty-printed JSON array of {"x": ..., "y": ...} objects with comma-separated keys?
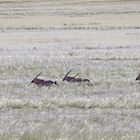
[{"x": 99, "y": 39}]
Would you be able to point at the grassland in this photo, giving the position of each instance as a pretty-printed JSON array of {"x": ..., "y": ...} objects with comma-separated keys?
[{"x": 100, "y": 40}]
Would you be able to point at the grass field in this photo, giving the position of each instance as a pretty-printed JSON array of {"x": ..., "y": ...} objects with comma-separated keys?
[{"x": 100, "y": 40}]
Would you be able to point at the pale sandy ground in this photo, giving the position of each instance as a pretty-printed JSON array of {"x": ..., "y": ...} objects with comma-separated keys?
[
  {"x": 51, "y": 14},
  {"x": 132, "y": 20}
]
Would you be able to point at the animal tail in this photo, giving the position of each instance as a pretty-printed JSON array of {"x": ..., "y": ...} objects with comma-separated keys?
[
  {"x": 136, "y": 79},
  {"x": 56, "y": 83},
  {"x": 89, "y": 83}
]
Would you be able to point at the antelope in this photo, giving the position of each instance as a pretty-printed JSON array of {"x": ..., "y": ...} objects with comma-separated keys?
[
  {"x": 138, "y": 77},
  {"x": 69, "y": 78},
  {"x": 41, "y": 82},
  {"x": 74, "y": 79},
  {"x": 79, "y": 80}
]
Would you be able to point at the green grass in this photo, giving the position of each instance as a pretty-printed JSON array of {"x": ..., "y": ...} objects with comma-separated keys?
[{"x": 81, "y": 134}]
